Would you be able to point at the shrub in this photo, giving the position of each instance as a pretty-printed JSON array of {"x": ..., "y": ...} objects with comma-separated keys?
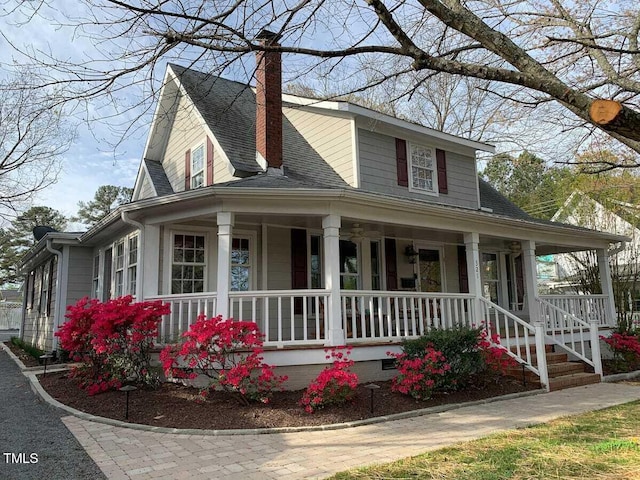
[
  {"x": 458, "y": 345},
  {"x": 113, "y": 340},
  {"x": 419, "y": 376},
  {"x": 495, "y": 357},
  {"x": 335, "y": 385},
  {"x": 227, "y": 351},
  {"x": 626, "y": 351}
]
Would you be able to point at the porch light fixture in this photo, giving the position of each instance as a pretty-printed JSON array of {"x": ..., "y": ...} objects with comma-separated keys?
[
  {"x": 411, "y": 253},
  {"x": 515, "y": 247}
]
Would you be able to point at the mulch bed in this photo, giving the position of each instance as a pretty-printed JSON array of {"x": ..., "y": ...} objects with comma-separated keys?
[
  {"x": 174, "y": 406},
  {"x": 25, "y": 358}
]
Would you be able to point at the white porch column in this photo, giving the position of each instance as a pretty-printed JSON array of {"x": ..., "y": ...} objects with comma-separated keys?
[
  {"x": 225, "y": 231},
  {"x": 531, "y": 296},
  {"x": 150, "y": 261},
  {"x": 331, "y": 234},
  {"x": 471, "y": 241},
  {"x": 607, "y": 286}
]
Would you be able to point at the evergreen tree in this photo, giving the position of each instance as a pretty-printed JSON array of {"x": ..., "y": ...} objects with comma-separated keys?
[
  {"x": 106, "y": 199},
  {"x": 18, "y": 238}
]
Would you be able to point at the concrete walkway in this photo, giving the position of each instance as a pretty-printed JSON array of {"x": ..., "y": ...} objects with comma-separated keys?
[{"x": 124, "y": 453}]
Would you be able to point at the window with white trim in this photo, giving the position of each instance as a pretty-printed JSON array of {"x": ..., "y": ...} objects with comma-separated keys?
[
  {"x": 95, "y": 289},
  {"x": 423, "y": 167},
  {"x": 349, "y": 271},
  {"x": 197, "y": 166},
  {"x": 241, "y": 264},
  {"x": 490, "y": 277},
  {"x": 375, "y": 265},
  {"x": 188, "y": 263},
  {"x": 118, "y": 257},
  {"x": 132, "y": 264},
  {"x": 316, "y": 261}
]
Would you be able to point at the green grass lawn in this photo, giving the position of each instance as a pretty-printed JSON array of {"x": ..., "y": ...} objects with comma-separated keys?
[{"x": 601, "y": 445}]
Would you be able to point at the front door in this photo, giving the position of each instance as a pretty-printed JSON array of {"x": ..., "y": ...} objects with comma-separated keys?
[{"x": 430, "y": 270}]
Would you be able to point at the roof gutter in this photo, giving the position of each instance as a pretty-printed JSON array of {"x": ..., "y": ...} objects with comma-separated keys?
[{"x": 58, "y": 313}]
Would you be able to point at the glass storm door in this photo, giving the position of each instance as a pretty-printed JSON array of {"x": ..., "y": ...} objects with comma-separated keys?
[{"x": 430, "y": 269}]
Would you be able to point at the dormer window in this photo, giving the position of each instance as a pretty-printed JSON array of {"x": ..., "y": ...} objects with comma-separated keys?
[
  {"x": 422, "y": 165},
  {"x": 197, "y": 166}
]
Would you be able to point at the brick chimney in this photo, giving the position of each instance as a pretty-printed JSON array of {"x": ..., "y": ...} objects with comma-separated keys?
[{"x": 269, "y": 105}]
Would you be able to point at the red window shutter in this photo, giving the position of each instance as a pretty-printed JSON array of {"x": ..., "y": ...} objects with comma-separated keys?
[
  {"x": 390, "y": 263},
  {"x": 298, "y": 264},
  {"x": 401, "y": 162},
  {"x": 441, "y": 160},
  {"x": 187, "y": 170},
  {"x": 463, "y": 273},
  {"x": 209, "y": 161}
]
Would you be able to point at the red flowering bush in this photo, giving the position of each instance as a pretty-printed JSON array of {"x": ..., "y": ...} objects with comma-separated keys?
[
  {"x": 495, "y": 356},
  {"x": 334, "y": 385},
  {"x": 113, "y": 341},
  {"x": 227, "y": 351},
  {"x": 419, "y": 376},
  {"x": 626, "y": 351}
]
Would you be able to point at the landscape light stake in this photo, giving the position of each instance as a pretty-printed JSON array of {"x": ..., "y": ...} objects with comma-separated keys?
[
  {"x": 127, "y": 389},
  {"x": 372, "y": 387},
  {"x": 45, "y": 358}
]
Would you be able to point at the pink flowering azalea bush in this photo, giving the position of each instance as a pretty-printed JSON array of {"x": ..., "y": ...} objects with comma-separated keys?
[
  {"x": 419, "y": 376},
  {"x": 113, "y": 340},
  {"x": 446, "y": 360},
  {"x": 229, "y": 353},
  {"x": 495, "y": 357},
  {"x": 626, "y": 351},
  {"x": 335, "y": 385}
]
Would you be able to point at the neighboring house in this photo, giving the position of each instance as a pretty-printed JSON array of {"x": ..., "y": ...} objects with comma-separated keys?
[
  {"x": 575, "y": 271},
  {"x": 324, "y": 222}
]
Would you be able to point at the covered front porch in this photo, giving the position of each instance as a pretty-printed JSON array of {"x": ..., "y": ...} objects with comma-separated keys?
[{"x": 330, "y": 279}]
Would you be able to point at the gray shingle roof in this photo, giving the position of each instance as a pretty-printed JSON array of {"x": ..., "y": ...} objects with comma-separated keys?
[
  {"x": 491, "y": 198},
  {"x": 158, "y": 177},
  {"x": 229, "y": 109}
]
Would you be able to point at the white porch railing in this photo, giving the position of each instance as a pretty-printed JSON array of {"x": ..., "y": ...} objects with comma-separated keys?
[
  {"x": 571, "y": 333},
  {"x": 390, "y": 316},
  {"x": 286, "y": 317},
  {"x": 515, "y": 335},
  {"x": 585, "y": 307},
  {"x": 185, "y": 308}
]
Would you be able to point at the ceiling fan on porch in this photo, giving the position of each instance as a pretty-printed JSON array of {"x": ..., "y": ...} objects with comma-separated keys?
[{"x": 357, "y": 233}]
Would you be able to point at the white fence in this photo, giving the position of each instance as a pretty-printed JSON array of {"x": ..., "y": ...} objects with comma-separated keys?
[{"x": 10, "y": 315}]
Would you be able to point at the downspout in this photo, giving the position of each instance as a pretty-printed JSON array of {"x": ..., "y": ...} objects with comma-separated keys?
[
  {"x": 140, "y": 259},
  {"x": 57, "y": 314}
]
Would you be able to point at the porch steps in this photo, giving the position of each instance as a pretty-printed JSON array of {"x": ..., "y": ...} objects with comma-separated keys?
[{"x": 562, "y": 373}]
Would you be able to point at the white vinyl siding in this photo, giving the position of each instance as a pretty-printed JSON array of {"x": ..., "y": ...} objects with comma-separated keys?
[
  {"x": 329, "y": 136},
  {"x": 186, "y": 131}
]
